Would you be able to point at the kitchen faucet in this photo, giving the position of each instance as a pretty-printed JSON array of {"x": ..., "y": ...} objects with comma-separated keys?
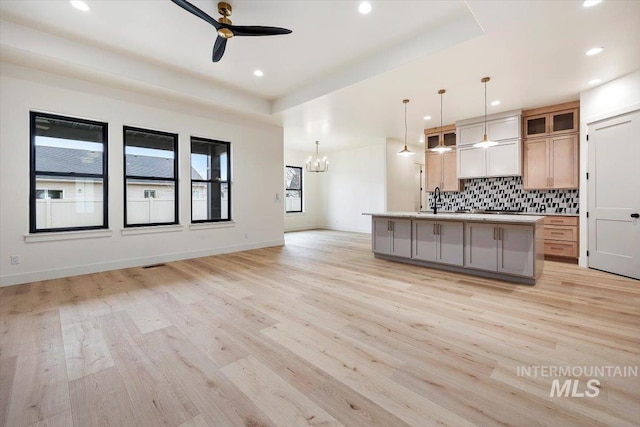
[{"x": 437, "y": 199}]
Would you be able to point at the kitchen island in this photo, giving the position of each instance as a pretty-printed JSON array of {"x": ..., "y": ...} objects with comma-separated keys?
[{"x": 505, "y": 247}]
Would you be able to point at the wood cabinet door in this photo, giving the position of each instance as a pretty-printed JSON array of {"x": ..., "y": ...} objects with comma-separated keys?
[
  {"x": 536, "y": 165},
  {"x": 515, "y": 249},
  {"x": 481, "y": 246},
  {"x": 471, "y": 162},
  {"x": 433, "y": 177},
  {"x": 504, "y": 159},
  {"x": 381, "y": 241},
  {"x": 450, "y": 180},
  {"x": 451, "y": 243},
  {"x": 565, "y": 121},
  {"x": 563, "y": 161},
  {"x": 424, "y": 240},
  {"x": 536, "y": 125}
]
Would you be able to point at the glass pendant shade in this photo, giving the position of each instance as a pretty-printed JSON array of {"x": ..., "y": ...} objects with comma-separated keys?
[
  {"x": 405, "y": 151},
  {"x": 317, "y": 164},
  {"x": 486, "y": 142}
]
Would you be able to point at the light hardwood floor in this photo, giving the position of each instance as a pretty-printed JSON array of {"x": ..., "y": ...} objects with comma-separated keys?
[{"x": 318, "y": 332}]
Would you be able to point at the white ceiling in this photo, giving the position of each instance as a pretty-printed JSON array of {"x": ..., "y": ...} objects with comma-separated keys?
[{"x": 340, "y": 77}]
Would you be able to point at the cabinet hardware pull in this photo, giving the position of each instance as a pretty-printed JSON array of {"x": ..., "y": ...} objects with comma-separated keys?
[
  {"x": 499, "y": 233},
  {"x": 494, "y": 233},
  {"x": 434, "y": 229},
  {"x": 556, "y": 232},
  {"x": 556, "y": 248},
  {"x": 551, "y": 181}
]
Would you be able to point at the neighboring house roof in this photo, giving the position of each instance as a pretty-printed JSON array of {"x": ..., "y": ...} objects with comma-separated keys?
[{"x": 56, "y": 159}]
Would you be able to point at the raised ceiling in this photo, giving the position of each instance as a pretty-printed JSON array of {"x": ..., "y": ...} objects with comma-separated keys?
[{"x": 340, "y": 76}]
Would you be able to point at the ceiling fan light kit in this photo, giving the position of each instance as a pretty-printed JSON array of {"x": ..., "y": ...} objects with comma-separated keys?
[{"x": 225, "y": 28}]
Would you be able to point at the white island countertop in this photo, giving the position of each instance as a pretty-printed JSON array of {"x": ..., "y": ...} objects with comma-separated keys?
[{"x": 453, "y": 216}]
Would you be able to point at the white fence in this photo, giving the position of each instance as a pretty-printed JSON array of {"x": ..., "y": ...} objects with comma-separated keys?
[{"x": 54, "y": 213}]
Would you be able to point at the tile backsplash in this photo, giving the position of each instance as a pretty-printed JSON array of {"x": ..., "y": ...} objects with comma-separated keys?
[{"x": 507, "y": 193}]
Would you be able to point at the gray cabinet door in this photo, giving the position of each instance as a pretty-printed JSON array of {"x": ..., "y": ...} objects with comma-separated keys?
[
  {"x": 481, "y": 246},
  {"x": 451, "y": 242},
  {"x": 425, "y": 240},
  {"x": 401, "y": 237},
  {"x": 515, "y": 250},
  {"x": 381, "y": 242}
]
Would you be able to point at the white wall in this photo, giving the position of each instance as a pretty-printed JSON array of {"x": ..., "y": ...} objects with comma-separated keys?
[
  {"x": 401, "y": 181},
  {"x": 257, "y": 175},
  {"x": 310, "y": 218},
  {"x": 616, "y": 97},
  {"x": 354, "y": 184}
]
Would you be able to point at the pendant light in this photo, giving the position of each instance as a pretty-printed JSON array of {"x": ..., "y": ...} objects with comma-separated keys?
[
  {"x": 318, "y": 164},
  {"x": 441, "y": 148},
  {"x": 405, "y": 151},
  {"x": 486, "y": 142}
]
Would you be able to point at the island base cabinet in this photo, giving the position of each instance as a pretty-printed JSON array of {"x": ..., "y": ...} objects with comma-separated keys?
[
  {"x": 439, "y": 241},
  {"x": 481, "y": 248},
  {"x": 516, "y": 250},
  {"x": 392, "y": 237},
  {"x": 503, "y": 248}
]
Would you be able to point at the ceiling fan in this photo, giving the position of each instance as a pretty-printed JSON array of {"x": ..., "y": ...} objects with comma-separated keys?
[{"x": 225, "y": 28}]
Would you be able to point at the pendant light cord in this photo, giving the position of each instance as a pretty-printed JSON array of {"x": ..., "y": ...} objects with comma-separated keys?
[
  {"x": 441, "y": 134},
  {"x": 485, "y": 108},
  {"x": 405, "y": 125}
]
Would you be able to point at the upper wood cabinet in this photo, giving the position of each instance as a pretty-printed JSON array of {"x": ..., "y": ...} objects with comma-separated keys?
[
  {"x": 432, "y": 136},
  {"x": 551, "y": 147},
  {"x": 441, "y": 168},
  {"x": 553, "y": 120},
  {"x": 551, "y": 163},
  {"x": 441, "y": 171}
]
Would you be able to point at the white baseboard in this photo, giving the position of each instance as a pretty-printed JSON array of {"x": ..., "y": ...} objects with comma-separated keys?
[
  {"x": 35, "y": 276},
  {"x": 303, "y": 228}
]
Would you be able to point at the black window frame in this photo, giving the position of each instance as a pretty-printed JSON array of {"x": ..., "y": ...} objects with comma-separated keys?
[
  {"x": 295, "y": 189},
  {"x": 33, "y": 173},
  {"x": 211, "y": 181},
  {"x": 148, "y": 178}
]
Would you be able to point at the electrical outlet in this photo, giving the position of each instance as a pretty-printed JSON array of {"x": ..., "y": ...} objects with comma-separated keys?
[{"x": 15, "y": 259}]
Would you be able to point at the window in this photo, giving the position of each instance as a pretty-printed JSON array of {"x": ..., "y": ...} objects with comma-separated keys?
[
  {"x": 48, "y": 194},
  {"x": 293, "y": 178},
  {"x": 68, "y": 157},
  {"x": 210, "y": 180},
  {"x": 151, "y": 183}
]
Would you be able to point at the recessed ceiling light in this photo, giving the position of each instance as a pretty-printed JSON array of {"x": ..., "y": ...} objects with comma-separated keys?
[
  {"x": 258, "y": 73},
  {"x": 589, "y": 3},
  {"x": 364, "y": 8},
  {"x": 80, "y": 5},
  {"x": 494, "y": 103},
  {"x": 594, "y": 51},
  {"x": 427, "y": 117},
  {"x": 594, "y": 81}
]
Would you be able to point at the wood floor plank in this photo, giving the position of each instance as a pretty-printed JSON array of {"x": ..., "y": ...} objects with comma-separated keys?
[
  {"x": 316, "y": 328},
  {"x": 282, "y": 403},
  {"x": 101, "y": 399},
  {"x": 85, "y": 349}
]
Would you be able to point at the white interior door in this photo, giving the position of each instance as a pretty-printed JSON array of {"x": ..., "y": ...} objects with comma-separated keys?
[{"x": 614, "y": 195}]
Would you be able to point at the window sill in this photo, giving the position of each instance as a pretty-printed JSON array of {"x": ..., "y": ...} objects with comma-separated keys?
[
  {"x": 211, "y": 225},
  {"x": 133, "y": 231},
  {"x": 294, "y": 213},
  {"x": 67, "y": 235}
]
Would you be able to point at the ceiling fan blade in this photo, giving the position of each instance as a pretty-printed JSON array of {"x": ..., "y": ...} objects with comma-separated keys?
[
  {"x": 239, "y": 30},
  {"x": 218, "y": 49},
  {"x": 197, "y": 12}
]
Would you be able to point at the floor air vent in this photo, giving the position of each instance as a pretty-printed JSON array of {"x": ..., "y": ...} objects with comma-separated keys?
[{"x": 154, "y": 265}]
